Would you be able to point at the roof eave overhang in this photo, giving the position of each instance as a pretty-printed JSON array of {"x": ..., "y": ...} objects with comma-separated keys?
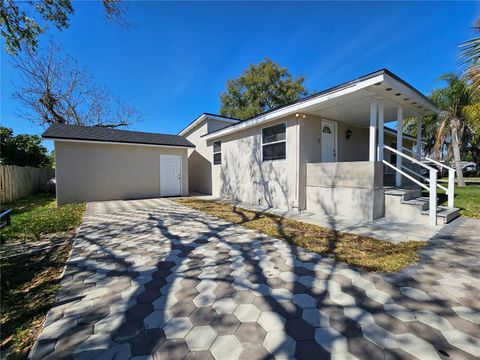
[
  {"x": 296, "y": 107},
  {"x": 407, "y": 90},
  {"x": 204, "y": 117},
  {"x": 115, "y": 142},
  {"x": 380, "y": 77}
]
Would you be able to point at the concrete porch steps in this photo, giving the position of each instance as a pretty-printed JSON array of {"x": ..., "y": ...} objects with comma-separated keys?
[
  {"x": 408, "y": 204},
  {"x": 445, "y": 214}
]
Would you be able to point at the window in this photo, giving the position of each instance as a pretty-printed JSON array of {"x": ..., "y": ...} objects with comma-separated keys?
[
  {"x": 274, "y": 142},
  {"x": 217, "y": 152}
]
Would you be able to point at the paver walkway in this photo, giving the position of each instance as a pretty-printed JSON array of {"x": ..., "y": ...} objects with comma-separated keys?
[{"x": 152, "y": 279}]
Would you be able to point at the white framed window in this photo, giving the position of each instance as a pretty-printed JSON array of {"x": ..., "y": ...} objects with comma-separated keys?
[
  {"x": 274, "y": 142},
  {"x": 217, "y": 152}
]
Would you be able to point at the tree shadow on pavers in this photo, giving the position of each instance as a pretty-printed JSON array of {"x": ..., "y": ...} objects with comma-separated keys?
[
  {"x": 304, "y": 264},
  {"x": 130, "y": 305},
  {"x": 277, "y": 299},
  {"x": 346, "y": 326}
]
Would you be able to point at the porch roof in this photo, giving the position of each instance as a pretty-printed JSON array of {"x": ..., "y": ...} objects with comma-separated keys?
[{"x": 349, "y": 103}]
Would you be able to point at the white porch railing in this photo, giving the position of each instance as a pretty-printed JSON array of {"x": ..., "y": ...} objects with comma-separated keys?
[
  {"x": 450, "y": 189},
  {"x": 432, "y": 180}
]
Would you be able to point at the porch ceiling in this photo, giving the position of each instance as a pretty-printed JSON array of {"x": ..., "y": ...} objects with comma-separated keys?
[{"x": 354, "y": 107}]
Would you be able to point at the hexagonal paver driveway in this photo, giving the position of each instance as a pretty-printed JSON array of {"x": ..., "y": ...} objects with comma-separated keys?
[{"x": 152, "y": 279}]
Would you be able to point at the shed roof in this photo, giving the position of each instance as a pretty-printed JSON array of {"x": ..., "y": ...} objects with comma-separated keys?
[{"x": 102, "y": 134}]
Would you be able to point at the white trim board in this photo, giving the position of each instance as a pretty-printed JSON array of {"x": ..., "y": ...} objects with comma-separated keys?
[{"x": 203, "y": 117}]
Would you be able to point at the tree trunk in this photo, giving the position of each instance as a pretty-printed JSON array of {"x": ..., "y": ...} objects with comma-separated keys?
[{"x": 456, "y": 153}]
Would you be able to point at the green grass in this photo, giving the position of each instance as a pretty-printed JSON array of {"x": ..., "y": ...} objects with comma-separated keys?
[
  {"x": 467, "y": 199},
  {"x": 467, "y": 179},
  {"x": 361, "y": 251},
  {"x": 30, "y": 282},
  {"x": 39, "y": 215},
  {"x": 29, "y": 285}
]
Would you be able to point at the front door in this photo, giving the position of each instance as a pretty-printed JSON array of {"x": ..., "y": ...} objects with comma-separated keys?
[
  {"x": 329, "y": 141},
  {"x": 170, "y": 175}
]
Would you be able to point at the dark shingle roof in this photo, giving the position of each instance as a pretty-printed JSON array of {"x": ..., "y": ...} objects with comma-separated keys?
[{"x": 101, "y": 134}]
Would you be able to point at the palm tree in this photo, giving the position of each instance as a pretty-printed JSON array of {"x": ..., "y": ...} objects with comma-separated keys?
[
  {"x": 451, "y": 125},
  {"x": 471, "y": 56}
]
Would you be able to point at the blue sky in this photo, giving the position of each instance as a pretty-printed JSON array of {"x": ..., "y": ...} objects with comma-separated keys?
[{"x": 174, "y": 61}]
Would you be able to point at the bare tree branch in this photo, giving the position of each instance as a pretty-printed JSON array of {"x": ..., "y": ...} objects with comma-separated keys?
[{"x": 55, "y": 89}]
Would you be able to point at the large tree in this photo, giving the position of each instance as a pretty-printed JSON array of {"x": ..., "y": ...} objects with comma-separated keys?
[
  {"x": 261, "y": 87},
  {"x": 54, "y": 88},
  {"x": 22, "y": 150},
  {"x": 471, "y": 56},
  {"x": 451, "y": 126},
  {"x": 22, "y": 22}
]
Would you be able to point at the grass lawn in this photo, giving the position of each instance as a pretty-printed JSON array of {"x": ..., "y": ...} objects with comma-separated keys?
[
  {"x": 29, "y": 282},
  {"x": 467, "y": 199},
  {"x": 365, "y": 252},
  {"x": 38, "y": 215}
]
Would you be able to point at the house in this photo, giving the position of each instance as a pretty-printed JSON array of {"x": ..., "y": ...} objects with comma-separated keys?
[
  {"x": 96, "y": 163},
  {"x": 328, "y": 153}
]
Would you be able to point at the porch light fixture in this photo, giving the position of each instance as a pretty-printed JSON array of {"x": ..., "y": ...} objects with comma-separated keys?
[
  {"x": 348, "y": 134},
  {"x": 303, "y": 116}
]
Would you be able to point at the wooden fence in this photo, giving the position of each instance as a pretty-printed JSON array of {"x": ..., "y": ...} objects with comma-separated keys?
[{"x": 17, "y": 181}]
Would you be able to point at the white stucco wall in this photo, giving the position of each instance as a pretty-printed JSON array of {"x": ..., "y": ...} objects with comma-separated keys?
[
  {"x": 95, "y": 171},
  {"x": 243, "y": 176},
  {"x": 200, "y": 159}
]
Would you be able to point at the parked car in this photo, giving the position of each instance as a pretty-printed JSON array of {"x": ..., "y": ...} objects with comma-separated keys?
[
  {"x": 426, "y": 173},
  {"x": 469, "y": 169}
]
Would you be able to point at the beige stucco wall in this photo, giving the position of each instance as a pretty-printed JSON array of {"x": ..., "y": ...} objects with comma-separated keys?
[
  {"x": 243, "y": 176},
  {"x": 200, "y": 159},
  {"x": 353, "y": 189},
  {"x": 94, "y": 171}
]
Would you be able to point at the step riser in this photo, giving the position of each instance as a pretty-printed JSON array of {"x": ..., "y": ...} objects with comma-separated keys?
[
  {"x": 422, "y": 206},
  {"x": 396, "y": 210},
  {"x": 408, "y": 208}
]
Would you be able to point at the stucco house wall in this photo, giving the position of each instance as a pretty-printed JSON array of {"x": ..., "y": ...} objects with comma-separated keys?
[
  {"x": 200, "y": 159},
  {"x": 95, "y": 171},
  {"x": 243, "y": 176}
]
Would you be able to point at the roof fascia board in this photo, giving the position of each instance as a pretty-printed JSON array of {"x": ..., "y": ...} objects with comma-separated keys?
[
  {"x": 114, "y": 143},
  {"x": 203, "y": 117},
  {"x": 276, "y": 114}
]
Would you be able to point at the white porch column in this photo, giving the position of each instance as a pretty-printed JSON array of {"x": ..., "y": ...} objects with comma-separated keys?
[
  {"x": 398, "y": 179},
  {"x": 373, "y": 131},
  {"x": 380, "y": 131},
  {"x": 419, "y": 138}
]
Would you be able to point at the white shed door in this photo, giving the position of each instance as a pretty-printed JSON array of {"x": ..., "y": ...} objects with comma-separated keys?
[
  {"x": 170, "y": 175},
  {"x": 329, "y": 138}
]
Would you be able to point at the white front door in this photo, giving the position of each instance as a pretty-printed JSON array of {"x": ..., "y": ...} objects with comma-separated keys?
[
  {"x": 170, "y": 175},
  {"x": 329, "y": 141}
]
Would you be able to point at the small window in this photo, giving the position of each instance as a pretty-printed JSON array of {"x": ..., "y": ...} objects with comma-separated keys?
[
  {"x": 217, "y": 152},
  {"x": 274, "y": 142}
]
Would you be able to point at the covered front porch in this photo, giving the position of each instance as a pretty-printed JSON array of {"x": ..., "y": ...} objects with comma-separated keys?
[{"x": 359, "y": 155}]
